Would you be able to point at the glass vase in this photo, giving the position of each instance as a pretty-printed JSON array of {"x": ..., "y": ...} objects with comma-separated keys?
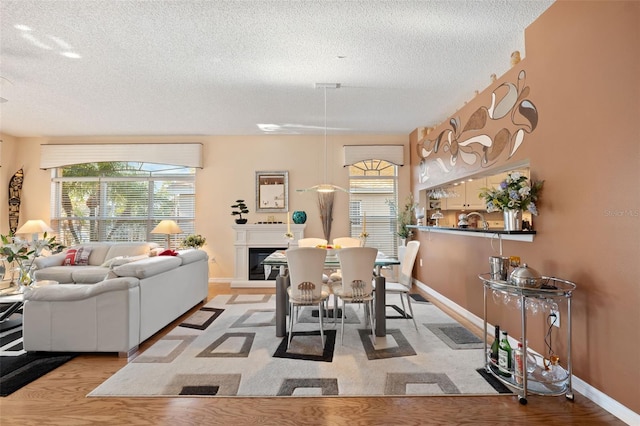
[{"x": 512, "y": 221}]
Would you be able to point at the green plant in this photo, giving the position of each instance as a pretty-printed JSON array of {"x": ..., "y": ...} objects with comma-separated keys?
[
  {"x": 193, "y": 241},
  {"x": 405, "y": 217},
  {"x": 240, "y": 209},
  {"x": 516, "y": 192}
]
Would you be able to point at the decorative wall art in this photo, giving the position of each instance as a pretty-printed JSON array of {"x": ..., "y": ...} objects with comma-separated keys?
[
  {"x": 272, "y": 192},
  {"x": 15, "y": 190},
  {"x": 464, "y": 144}
]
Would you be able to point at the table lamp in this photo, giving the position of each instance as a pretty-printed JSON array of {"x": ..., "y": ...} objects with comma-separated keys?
[
  {"x": 167, "y": 227},
  {"x": 34, "y": 227}
]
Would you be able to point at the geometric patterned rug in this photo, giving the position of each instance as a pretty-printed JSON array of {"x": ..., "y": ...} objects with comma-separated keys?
[{"x": 229, "y": 348}]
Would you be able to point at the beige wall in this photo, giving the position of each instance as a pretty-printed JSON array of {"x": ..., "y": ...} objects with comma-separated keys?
[
  {"x": 230, "y": 163},
  {"x": 582, "y": 67}
]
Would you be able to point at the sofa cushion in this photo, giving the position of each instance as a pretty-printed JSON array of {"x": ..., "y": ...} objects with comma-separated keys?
[
  {"x": 148, "y": 267},
  {"x": 62, "y": 274},
  {"x": 78, "y": 291},
  {"x": 122, "y": 260},
  {"x": 77, "y": 256},
  {"x": 127, "y": 250},
  {"x": 89, "y": 274},
  {"x": 42, "y": 262},
  {"x": 192, "y": 255}
]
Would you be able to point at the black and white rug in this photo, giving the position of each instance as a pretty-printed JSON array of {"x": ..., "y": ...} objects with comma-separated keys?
[
  {"x": 229, "y": 348},
  {"x": 18, "y": 367}
]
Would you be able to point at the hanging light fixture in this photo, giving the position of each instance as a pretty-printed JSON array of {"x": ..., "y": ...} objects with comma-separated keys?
[{"x": 325, "y": 187}]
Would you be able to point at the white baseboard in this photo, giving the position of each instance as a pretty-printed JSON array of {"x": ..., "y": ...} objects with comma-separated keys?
[{"x": 585, "y": 389}]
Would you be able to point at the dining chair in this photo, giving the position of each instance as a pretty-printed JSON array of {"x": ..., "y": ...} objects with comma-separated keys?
[
  {"x": 403, "y": 286},
  {"x": 357, "y": 265},
  {"x": 311, "y": 242},
  {"x": 342, "y": 242},
  {"x": 347, "y": 242},
  {"x": 306, "y": 265}
]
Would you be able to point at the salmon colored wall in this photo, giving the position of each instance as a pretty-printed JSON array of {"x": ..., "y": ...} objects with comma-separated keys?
[
  {"x": 582, "y": 67},
  {"x": 230, "y": 163}
]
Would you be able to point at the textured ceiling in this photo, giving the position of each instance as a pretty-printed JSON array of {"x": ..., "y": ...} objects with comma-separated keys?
[{"x": 91, "y": 68}]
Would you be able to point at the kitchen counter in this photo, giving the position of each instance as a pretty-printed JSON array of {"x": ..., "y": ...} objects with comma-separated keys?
[{"x": 526, "y": 236}]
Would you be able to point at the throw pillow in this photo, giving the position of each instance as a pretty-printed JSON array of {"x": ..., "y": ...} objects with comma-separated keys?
[
  {"x": 77, "y": 256},
  {"x": 169, "y": 253}
]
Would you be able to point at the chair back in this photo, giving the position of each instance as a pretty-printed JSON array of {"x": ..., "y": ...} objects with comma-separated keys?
[
  {"x": 357, "y": 265},
  {"x": 306, "y": 265},
  {"x": 409, "y": 259},
  {"x": 311, "y": 242},
  {"x": 347, "y": 242}
]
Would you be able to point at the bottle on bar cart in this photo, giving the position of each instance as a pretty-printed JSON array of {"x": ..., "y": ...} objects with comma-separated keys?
[
  {"x": 494, "y": 349},
  {"x": 518, "y": 363},
  {"x": 504, "y": 355}
]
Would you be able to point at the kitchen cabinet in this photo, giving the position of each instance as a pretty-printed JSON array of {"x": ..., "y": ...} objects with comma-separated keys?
[{"x": 466, "y": 197}]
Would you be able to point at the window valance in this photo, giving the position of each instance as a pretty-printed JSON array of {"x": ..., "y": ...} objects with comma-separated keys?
[
  {"x": 180, "y": 154},
  {"x": 391, "y": 153}
]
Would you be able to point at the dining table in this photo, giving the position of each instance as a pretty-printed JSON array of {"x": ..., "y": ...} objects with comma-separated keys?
[{"x": 278, "y": 259}]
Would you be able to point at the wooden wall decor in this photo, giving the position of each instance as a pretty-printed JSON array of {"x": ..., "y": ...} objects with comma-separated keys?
[{"x": 15, "y": 189}]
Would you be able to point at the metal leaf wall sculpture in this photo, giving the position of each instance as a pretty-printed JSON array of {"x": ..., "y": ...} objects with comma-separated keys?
[{"x": 15, "y": 190}]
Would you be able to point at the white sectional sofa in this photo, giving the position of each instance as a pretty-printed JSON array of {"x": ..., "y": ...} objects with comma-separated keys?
[{"x": 113, "y": 306}]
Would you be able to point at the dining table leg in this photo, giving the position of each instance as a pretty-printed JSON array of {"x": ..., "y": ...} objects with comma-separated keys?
[
  {"x": 282, "y": 282},
  {"x": 380, "y": 299}
]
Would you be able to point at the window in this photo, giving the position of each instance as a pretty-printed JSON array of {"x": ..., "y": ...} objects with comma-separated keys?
[
  {"x": 373, "y": 186},
  {"x": 121, "y": 201}
]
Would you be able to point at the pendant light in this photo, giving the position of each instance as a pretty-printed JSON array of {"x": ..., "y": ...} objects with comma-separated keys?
[{"x": 325, "y": 187}]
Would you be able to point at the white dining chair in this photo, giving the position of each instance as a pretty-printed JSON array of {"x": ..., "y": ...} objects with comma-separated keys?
[
  {"x": 347, "y": 242},
  {"x": 311, "y": 242},
  {"x": 306, "y": 265},
  {"x": 357, "y": 265},
  {"x": 403, "y": 286}
]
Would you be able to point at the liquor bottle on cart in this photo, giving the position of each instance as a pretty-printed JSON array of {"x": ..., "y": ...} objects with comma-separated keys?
[{"x": 504, "y": 355}]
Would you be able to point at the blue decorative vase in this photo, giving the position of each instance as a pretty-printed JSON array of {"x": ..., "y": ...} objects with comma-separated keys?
[{"x": 299, "y": 217}]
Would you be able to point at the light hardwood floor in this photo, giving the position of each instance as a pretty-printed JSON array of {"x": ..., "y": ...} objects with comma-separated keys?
[{"x": 59, "y": 398}]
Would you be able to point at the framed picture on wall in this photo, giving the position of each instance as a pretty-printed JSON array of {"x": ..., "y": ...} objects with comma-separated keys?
[{"x": 272, "y": 192}]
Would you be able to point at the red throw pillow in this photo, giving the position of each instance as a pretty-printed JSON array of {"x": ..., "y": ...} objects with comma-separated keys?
[
  {"x": 77, "y": 256},
  {"x": 168, "y": 253}
]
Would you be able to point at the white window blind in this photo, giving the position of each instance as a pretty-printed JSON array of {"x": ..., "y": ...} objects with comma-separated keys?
[
  {"x": 121, "y": 202},
  {"x": 181, "y": 154},
  {"x": 393, "y": 154},
  {"x": 373, "y": 190}
]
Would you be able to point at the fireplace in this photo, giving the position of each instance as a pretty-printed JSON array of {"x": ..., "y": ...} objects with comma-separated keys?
[
  {"x": 253, "y": 243},
  {"x": 256, "y": 268}
]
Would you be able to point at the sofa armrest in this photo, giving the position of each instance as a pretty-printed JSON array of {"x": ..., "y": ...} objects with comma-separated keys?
[
  {"x": 42, "y": 262},
  {"x": 148, "y": 267},
  {"x": 192, "y": 255},
  {"x": 67, "y": 292}
]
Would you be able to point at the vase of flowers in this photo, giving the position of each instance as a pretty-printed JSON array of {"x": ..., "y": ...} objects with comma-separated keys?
[
  {"x": 514, "y": 194},
  {"x": 193, "y": 241},
  {"x": 22, "y": 254}
]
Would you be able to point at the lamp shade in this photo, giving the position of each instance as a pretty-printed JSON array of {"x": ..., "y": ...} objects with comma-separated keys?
[
  {"x": 167, "y": 227},
  {"x": 34, "y": 226}
]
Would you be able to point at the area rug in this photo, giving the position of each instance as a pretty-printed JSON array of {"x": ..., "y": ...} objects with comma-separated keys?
[
  {"x": 230, "y": 348},
  {"x": 18, "y": 367}
]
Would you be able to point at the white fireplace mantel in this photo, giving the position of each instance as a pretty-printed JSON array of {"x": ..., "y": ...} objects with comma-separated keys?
[{"x": 257, "y": 236}]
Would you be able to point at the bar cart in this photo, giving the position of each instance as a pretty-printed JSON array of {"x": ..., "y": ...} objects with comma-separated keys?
[{"x": 552, "y": 380}]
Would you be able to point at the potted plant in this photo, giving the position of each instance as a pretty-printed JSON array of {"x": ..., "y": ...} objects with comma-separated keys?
[
  {"x": 240, "y": 209},
  {"x": 193, "y": 241},
  {"x": 405, "y": 217}
]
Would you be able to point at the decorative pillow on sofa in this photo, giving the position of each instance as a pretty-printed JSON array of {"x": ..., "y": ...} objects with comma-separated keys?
[
  {"x": 168, "y": 252},
  {"x": 77, "y": 256}
]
